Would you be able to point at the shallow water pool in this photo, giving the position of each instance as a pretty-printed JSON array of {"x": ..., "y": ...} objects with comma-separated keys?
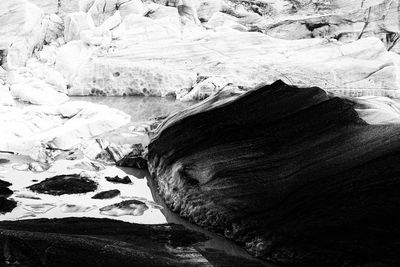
[{"x": 139, "y": 108}]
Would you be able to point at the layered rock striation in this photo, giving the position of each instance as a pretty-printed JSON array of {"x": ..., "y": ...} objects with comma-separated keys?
[{"x": 292, "y": 174}]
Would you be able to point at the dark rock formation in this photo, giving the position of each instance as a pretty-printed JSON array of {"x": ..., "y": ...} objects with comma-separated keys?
[
  {"x": 117, "y": 179},
  {"x": 107, "y": 194},
  {"x": 103, "y": 242},
  {"x": 292, "y": 174},
  {"x": 65, "y": 184}
]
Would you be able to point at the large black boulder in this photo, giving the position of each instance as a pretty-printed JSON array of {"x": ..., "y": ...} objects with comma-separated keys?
[{"x": 292, "y": 174}]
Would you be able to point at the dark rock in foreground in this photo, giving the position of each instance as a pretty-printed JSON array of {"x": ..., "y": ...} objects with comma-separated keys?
[
  {"x": 107, "y": 194},
  {"x": 65, "y": 184},
  {"x": 117, "y": 179},
  {"x": 294, "y": 175},
  {"x": 103, "y": 242}
]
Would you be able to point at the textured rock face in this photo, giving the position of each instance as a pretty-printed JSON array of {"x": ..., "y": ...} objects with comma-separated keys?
[
  {"x": 342, "y": 20},
  {"x": 377, "y": 20},
  {"x": 179, "y": 48},
  {"x": 292, "y": 174},
  {"x": 122, "y": 77},
  {"x": 136, "y": 48},
  {"x": 242, "y": 59}
]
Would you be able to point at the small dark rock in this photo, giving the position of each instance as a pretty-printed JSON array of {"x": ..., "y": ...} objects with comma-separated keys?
[
  {"x": 65, "y": 184},
  {"x": 107, "y": 194},
  {"x": 117, "y": 179},
  {"x": 5, "y": 191},
  {"x": 3, "y": 161},
  {"x": 6, "y": 205},
  {"x": 5, "y": 183}
]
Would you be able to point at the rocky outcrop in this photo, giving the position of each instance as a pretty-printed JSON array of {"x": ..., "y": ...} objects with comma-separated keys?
[
  {"x": 292, "y": 174},
  {"x": 292, "y": 19},
  {"x": 161, "y": 55},
  {"x": 103, "y": 242},
  {"x": 239, "y": 58},
  {"x": 345, "y": 21}
]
